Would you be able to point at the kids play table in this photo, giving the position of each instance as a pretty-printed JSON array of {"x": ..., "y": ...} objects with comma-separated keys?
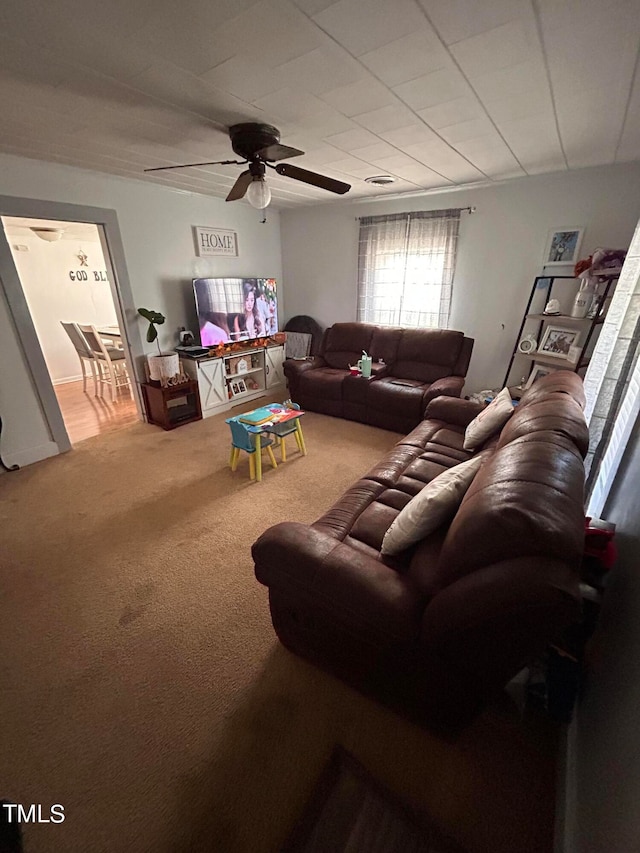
[{"x": 248, "y": 429}]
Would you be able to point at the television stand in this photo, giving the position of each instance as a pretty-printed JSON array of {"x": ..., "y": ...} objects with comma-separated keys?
[{"x": 235, "y": 378}]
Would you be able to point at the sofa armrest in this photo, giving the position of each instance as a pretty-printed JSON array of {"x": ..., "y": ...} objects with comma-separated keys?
[
  {"x": 490, "y": 624},
  {"x": 448, "y": 386},
  {"x": 325, "y": 572},
  {"x": 453, "y": 410}
]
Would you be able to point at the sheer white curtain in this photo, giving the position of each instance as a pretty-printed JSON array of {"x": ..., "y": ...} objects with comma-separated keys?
[{"x": 406, "y": 263}]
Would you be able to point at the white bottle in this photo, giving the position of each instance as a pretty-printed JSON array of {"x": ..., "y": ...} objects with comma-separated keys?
[{"x": 582, "y": 301}]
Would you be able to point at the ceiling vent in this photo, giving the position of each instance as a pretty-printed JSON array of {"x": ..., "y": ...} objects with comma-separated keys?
[{"x": 380, "y": 180}]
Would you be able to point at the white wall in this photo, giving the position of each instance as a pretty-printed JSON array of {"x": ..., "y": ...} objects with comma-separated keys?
[
  {"x": 156, "y": 227},
  {"x": 53, "y": 296},
  {"x": 500, "y": 251}
]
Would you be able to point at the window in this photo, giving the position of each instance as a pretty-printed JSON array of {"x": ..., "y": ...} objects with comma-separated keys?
[{"x": 406, "y": 263}]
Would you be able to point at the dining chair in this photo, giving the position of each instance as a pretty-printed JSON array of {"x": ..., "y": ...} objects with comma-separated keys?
[
  {"x": 85, "y": 354},
  {"x": 109, "y": 361}
]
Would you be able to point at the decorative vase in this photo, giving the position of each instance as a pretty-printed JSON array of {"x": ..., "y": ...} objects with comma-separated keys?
[
  {"x": 163, "y": 367},
  {"x": 582, "y": 302}
]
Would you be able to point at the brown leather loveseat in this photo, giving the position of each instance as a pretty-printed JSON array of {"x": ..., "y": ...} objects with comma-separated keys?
[
  {"x": 417, "y": 365},
  {"x": 439, "y": 629}
]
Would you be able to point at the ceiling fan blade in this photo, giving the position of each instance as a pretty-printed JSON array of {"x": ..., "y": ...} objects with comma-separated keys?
[
  {"x": 312, "y": 178},
  {"x": 278, "y": 152},
  {"x": 240, "y": 187},
  {"x": 189, "y": 165}
]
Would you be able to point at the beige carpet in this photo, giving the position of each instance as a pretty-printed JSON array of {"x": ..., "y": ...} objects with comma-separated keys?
[{"x": 142, "y": 686}]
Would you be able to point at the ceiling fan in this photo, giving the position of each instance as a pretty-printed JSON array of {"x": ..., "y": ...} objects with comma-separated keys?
[{"x": 259, "y": 145}]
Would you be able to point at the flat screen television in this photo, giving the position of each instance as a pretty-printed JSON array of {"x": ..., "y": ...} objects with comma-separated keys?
[{"x": 235, "y": 309}]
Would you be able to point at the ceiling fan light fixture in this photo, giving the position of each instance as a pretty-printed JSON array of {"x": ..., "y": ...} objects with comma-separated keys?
[
  {"x": 258, "y": 193},
  {"x": 380, "y": 180},
  {"x": 49, "y": 235}
]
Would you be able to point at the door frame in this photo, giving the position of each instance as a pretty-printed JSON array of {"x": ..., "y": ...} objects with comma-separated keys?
[{"x": 107, "y": 222}]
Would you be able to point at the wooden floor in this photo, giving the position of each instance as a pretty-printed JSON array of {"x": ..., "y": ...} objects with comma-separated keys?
[{"x": 86, "y": 415}]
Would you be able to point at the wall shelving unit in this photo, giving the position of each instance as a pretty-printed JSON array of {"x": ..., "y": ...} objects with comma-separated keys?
[{"x": 535, "y": 322}]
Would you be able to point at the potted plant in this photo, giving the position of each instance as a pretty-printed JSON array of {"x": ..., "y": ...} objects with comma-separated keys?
[{"x": 165, "y": 365}]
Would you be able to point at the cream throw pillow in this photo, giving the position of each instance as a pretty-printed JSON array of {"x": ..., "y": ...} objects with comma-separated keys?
[
  {"x": 431, "y": 507},
  {"x": 489, "y": 421}
]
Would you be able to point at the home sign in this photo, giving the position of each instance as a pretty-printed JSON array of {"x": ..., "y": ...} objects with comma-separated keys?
[{"x": 215, "y": 241}]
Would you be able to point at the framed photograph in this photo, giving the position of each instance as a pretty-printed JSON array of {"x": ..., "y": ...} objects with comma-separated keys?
[
  {"x": 558, "y": 341},
  {"x": 563, "y": 246},
  {"x": 537, "y": 372},
  {"x": 238, "y": 387}
]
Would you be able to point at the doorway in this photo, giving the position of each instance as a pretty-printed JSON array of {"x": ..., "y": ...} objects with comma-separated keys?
[
  {"x": 65, "y": 281},
  {"x": 30, "y": 401}
]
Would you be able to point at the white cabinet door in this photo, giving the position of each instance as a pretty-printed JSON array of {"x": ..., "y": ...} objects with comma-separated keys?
[
  {"x": 274, "y": 366},
  {"x": 212, "y": 385}
]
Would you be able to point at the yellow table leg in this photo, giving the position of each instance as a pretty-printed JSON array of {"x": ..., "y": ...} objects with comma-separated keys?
[
  {"x": 272, "y": 458},
  {"x": 283, "y": 448},
  {"x": 252, "y": 466},
  {"x": 258, "y": 455},
  {"x": 300, "y": 438}
]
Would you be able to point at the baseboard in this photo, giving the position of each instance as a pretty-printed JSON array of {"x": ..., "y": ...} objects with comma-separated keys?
[
  {"x": 31, "y": 454},
  {"x": 67, "y": 379}
]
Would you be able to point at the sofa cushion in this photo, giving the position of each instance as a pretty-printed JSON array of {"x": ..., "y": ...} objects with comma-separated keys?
[
  {"x": 489, "y": 421},
  {"x": 527, "y": 500},
  {"x": 324, "y": 383},
  {"x": 384, "y": 344},
  {"x": 427, "y": 354},
  {"x": 344, "y": 343},
  {"x": 431, "y": 507},
  {"x": 561, "y": 414}
]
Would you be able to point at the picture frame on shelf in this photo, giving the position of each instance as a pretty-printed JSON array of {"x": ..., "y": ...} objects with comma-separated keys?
[
  {"x": 238, "y": 387},
  {"x": 557, "y": 341},
  {"x": 563, "y": 246},
  {"x": 537, "y": 372}
]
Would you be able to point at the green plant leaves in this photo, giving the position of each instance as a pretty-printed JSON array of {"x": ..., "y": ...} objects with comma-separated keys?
[{"x": 152, "y": 316}]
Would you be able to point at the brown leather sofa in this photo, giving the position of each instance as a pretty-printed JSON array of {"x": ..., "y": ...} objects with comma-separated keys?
[
  {"x": 438, "y": 630},
  {"x": 418, "y": 365}
]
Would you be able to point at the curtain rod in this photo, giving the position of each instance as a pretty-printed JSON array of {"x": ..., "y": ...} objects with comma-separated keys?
[{"x": 469, "y": 210}]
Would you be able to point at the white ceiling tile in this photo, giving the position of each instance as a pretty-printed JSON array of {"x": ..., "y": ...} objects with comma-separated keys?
[
  {"x": 491, "y": 155},
  {"x": 434, "y": 88},
  {"x": 312, "y": 7},
  {"x": 385, "y": 118},
  {"x": 413, "y": 134},
  {"x": 440, "y": 157},
  {"x": 452, "y": 112},
  {"x": 629, "y": 145},
  {"x": 456, "y": 20},
  {"x": 514, "y": 107},
  {"x": 407, "y": 58},
  {"x": 502, "y": 47},
  {"x": 290, "y": 104},
  {"x": 466, "y": 130},
  {"x": 529, "y": 76},
  {"x": 360, "y": 97},
  {"x": 351, "y": 139},
  {"x": 352, "y": 166},
  {"x": 245, "y": 78},
  {"x": 588, "y": 143},
  {"x": 371, "y": 153},
  {"x": 323, "y": 69},
  {"x": 363, "y": 25}
]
